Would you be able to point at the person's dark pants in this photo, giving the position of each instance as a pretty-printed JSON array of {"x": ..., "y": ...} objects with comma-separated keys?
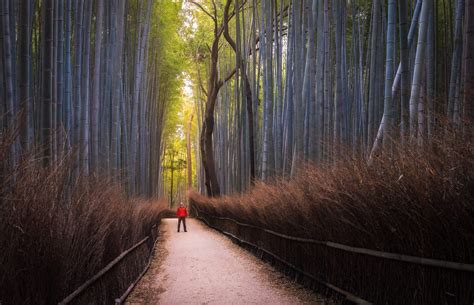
[{"x": 182, "y": 219}]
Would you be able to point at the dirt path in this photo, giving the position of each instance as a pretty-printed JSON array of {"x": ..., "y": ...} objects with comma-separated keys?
[{"x": 205, "y": 267}]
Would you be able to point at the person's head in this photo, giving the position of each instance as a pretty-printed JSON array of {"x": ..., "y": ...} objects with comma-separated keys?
[{"x": 181, "y": 204}]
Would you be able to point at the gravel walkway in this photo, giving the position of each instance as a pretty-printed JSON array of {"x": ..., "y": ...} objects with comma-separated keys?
[{"x": 205, "y": 267}]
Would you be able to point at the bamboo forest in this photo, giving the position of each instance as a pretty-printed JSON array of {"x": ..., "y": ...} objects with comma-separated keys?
[{"x": 315, "y": 152}]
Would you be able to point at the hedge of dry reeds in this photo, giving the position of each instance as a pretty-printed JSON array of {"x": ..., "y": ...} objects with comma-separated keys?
[
  {"x": 415, "y": 202},
  {"x": 57, "y": 232}
]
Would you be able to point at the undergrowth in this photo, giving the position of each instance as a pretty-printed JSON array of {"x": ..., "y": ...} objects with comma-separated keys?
[
  {"x": 414, "y": 201},
  {"x": 411, "y": 201},
  {"x": 56, "y": 231}
]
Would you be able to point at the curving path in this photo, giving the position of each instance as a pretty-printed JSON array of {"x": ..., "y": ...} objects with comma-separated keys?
[{"x": 205, "y": 267}]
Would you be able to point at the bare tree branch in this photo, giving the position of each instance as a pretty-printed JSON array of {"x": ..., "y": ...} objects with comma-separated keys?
[
  {"x": 228, "y": 77},
  {"x": 204, "y": 10}
]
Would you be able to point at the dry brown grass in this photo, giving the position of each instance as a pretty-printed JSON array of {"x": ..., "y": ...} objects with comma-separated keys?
[
  {"x": 56, "y": 232},
  {"x": 416, "y": 202}
]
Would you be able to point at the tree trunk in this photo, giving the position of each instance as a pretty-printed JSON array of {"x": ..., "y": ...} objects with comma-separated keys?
[
  {"x": 419, "y": 65},
  {"x": 68, "y": 113},
  {"x": 376, "y": 27},
  {"x": 456, "y": 59},
  {"x": 389, "y": 114},
  {"x": 117, "y": 95},
  {"x": 468, "y": 77},
  {"x": 188, "y": 153},
  {"x": 8, "y": 78},
  {"x": 47, "y": 86},
  {"x": 78, "y": 44},
  {"x": 320, "y": 81},
  {"x": 26, "y": 101},
  {"x": 207, "y": 151},
  {"x": 96, "y": 86},
  {"x": 404, "y": 69},
  {"x": 85, "y": 105},
  {"x": 267, "y": 157}
]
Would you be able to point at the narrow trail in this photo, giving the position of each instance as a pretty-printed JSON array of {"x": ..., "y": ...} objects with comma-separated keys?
[{"x": 205, "y": 267}]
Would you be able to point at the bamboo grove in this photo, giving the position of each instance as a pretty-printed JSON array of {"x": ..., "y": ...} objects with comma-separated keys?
[
  {"x": 90, "y": 81},
  {"x": 283, "y": 83}
]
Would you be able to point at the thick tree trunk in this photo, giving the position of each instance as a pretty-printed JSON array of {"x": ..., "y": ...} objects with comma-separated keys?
[
  {"x": 385, "y": 131},
  {"x": 138, "y": 75},
  {"x": 207, "y": 151}
]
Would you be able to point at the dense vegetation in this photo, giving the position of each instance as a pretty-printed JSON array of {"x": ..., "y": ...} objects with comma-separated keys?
[
  {"x": 97, "y": 77},
  {"x": 86, "y": 88},
  {"x": 357, "y": 114},
  {"x": 407, "y": 202},
  {"x": 304, "y": 81},
  {"x": 342, "y": 121},
  {"x": 57, "y": 233}
]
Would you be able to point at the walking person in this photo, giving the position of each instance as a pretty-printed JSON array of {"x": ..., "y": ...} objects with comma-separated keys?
[{"x": 182, "y": 213}]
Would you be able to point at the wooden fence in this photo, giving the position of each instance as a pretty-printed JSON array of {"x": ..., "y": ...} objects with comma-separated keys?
[
  {"x": 361, "y": 276},
  {"x": 120, "y": 275}
]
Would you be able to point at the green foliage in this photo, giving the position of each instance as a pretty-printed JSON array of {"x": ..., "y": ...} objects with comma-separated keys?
[
  {"x": 168, "y": 32},
  {"x": 170, "y": 58}
]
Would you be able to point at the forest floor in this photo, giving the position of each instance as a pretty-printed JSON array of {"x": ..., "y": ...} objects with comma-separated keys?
[{"x": 205, "y": 267}]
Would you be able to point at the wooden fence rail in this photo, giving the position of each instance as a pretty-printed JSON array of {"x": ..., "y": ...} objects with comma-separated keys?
[
  {"x": 349, "y": 296},
  {"x": 381, "y": 254},
  {"x": 87, "y": 284},
  {"x": 418, "y": 276}
]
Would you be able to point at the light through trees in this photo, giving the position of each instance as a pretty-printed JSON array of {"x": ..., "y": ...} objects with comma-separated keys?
[{"x": 273, "y": 85}]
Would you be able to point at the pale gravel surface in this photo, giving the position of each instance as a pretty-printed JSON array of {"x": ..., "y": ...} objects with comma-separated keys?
[{"x": 205, "y": 267}]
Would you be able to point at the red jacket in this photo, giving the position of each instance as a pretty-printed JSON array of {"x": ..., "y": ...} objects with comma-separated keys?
[{"x": 182, "y": 212}]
